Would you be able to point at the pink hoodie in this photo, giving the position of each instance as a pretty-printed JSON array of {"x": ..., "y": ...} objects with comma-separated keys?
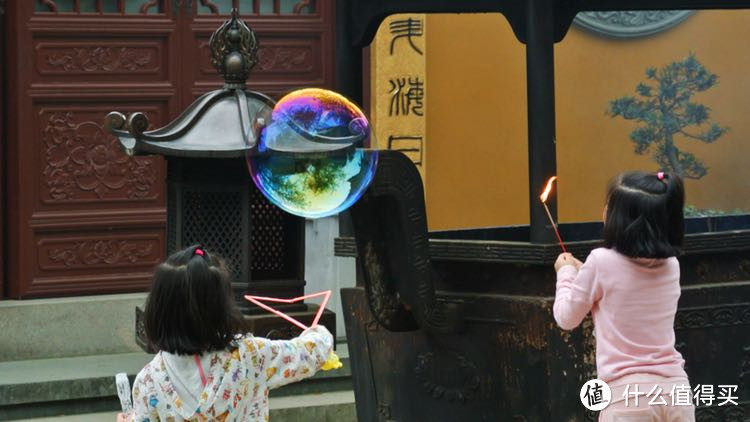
[{"x": 633, "y": 303}]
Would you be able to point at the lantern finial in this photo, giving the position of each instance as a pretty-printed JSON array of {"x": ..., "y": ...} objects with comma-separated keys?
[{"x": 234, "y": 51}]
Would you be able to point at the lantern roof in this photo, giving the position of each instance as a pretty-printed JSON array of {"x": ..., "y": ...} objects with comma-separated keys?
[{"x": 218, "y": 124}]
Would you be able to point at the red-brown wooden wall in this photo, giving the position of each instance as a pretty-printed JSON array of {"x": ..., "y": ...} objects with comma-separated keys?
[
  {"x": 3, "y": 139},
  {"x": 83, "y": 218}
]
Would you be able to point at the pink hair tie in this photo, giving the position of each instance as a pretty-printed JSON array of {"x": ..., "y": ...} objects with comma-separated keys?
[
  {"x": 199, "y": 251},
  {"x": 660, "y": 175}
]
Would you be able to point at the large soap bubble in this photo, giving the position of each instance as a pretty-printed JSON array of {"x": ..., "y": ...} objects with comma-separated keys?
[{"x": 314, "y": 154}]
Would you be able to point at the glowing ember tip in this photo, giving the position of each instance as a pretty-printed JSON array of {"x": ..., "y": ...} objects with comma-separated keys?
[{"x": 547, "y": 189}]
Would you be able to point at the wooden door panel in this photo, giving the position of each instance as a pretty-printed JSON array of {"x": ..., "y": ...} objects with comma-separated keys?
[
  {"x": 80, "y": 164},
  {"x": 86, "y": 218},
  {"x": 295, "y": 38},
  {"x": 101, "y": 260},
  {"x": 111, "y": 60}
]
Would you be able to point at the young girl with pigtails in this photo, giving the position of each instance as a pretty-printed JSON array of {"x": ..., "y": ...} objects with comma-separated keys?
[
  {"x": 631, "y": 286},
  {"x": 203, "y": 370}
]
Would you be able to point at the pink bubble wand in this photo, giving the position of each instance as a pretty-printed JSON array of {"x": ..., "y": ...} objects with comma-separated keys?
[
  {"x": 333, "y": 361},
  {"x": 258, "y": 300}
]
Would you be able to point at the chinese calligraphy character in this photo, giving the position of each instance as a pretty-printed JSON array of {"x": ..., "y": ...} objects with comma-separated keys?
[
  {"x": 725, "y": 394},
  {"x": 398, "y": 97},
  {"x": 409, "y": 145},
  {"x": 409, "y": 100},
  {"x": 656, "y": 395},
  {"x": 627, "y": 393},
  {"x": 704, "y": 394},
  {"x": 406, "y": 28},
  {"x": 415, "y": 95},
  {"x": 681, "y": 395},
  {"x": 594, "y": 395}
]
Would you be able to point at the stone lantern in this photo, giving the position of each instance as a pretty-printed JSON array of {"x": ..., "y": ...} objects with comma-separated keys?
[{"x": 211, "y": 198}]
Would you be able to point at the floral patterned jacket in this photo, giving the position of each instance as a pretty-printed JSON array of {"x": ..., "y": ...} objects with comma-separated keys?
[{"x": 237, "y": 381}]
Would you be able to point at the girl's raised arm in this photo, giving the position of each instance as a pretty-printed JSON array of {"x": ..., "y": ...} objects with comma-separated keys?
[
  {"x": 286, "y": 361},
  {"x": 576, "y": 293}
]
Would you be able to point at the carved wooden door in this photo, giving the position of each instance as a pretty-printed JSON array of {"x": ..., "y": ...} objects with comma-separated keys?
[{"x": 83, "y": 218}]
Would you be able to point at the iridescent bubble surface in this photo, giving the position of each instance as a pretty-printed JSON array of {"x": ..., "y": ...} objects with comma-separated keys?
[{"x": 314, "y": 155}]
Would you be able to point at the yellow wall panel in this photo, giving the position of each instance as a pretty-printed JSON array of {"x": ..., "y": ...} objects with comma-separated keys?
[{"x": 477, "y": 128}]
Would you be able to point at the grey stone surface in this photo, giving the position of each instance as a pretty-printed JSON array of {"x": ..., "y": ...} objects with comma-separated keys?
[
  {"x": 327, "y": 407},
  {"x": 85, "y": 377},
  {"x": 46, "y": 380},
  {"x": 91, "y": 417},
  {"x": 71, "y": 408},
  {"x": 85, "y": 384},
  {"x": 64, "y": 327}
]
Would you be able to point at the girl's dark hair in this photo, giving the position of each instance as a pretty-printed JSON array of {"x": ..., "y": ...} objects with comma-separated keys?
[
  {"x": 645, "y": 215},
  {"x": 190, "y": 308}
]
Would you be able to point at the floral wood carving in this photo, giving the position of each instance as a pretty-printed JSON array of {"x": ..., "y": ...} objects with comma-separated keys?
[
  {"x": 284, "y": 58},
  {"x": 108, "y": 252},
  {"x": 82, "y": 162},
  {"x": 102, "y": 59}
]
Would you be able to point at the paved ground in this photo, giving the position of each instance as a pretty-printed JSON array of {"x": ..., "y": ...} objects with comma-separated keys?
[
  {"x": 92, "y": 417},
  {"x": 282, "y": 404}
]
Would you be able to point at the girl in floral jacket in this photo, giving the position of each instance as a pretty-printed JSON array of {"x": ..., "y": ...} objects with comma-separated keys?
[{"x": 203, "y": 371}]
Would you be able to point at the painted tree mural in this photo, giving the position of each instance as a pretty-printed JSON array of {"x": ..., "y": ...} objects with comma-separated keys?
[{"x": 667, "y": 115}]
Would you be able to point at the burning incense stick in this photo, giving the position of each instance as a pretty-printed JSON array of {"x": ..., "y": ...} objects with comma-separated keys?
[{"x": 543, "y": 197}]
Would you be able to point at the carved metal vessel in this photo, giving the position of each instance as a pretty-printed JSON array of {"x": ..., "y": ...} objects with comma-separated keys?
[
  {"x": 458, "y": 326},
  {"x": 454, "y": 325}
]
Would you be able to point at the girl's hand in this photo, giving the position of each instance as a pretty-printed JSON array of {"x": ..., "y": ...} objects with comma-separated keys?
[
  {"x": 567, "y": 259},
  {"x": 122, "y": 417}
]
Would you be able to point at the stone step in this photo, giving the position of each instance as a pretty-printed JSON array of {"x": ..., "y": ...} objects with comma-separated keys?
[
  {"x": 335, "y": 406},
  {"x": 70, "y": 326},
  {"x": 85, "y": 384}
]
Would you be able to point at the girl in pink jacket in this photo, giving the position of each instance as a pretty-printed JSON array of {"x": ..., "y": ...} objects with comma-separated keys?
[{"x": 631, "y": 287}]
